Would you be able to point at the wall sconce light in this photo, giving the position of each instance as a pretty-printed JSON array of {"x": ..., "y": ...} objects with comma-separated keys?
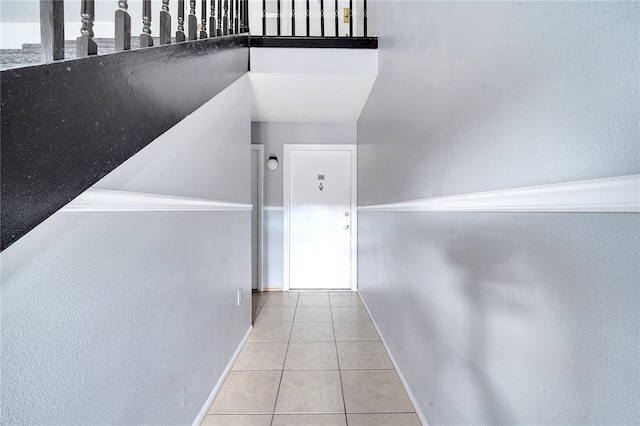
[{"x": 272, "y": 163}]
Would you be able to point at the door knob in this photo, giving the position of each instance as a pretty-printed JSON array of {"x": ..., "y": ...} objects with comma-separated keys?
[{"x": 346, "y": 227}]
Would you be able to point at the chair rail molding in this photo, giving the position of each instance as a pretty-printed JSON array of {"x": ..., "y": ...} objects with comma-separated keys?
[
  {"x": 608, "y": 195},
  {"x": 110, "y": 200}
]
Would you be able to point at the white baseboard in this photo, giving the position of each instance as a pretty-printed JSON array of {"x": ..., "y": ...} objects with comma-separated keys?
[
  {"x": 218, "y": 386},
  {"x": 412, "y": 398}
]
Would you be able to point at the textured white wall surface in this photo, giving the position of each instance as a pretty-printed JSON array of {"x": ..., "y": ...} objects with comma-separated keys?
[
  {"x": 311, "y": 85},
  {"x": 198, "y": 157},
  {"x": 131, "y": 317},
  {"x": 497, "y": 318},
  {"x": 509, "y": 318},
  {"x": 273, "y": 136},
  {"x": 306, "y": 98},
  {"x": 477, "y": 96}
]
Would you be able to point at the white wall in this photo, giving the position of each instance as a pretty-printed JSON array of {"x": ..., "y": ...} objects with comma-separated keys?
[
  {"x": 131, "y": 317},
  {"x": 504, "y": 318},
  {"x": 273, "y": 136},
  {"x": 311, "y": 85}
]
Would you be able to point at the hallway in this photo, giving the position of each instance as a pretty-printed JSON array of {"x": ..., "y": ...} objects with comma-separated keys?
[{"x": 313, "y": 358}]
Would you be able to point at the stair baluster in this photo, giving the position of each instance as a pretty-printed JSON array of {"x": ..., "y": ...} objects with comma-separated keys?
[
  {"x": 293, "y": 18},
  {"x": 165, "y": 23},
  {"x": 264, "y": 17},
  {"x": 365, "y": 18},
  {"x": 278, "y": 17},
  {"x": 192, "y": 22},
  {"x": 52, "y": 30},
  {"x": 236, "y": 18},
  {"x": 350, "y": 18},
  {"x": 123, "y": 27},
  {"x": 145, "y": 37},
  {"x": 307, "y": 3},
  {"x": 321, "y": 18},
  {"x": 85, "y": 45},
  {"x": 180, "y": 36},
  {"x": 203, "y": 20},
  {"x": 219, "y": 27},
  {"x": 212, "y": 19},
  {"x": 225, "y": 18},
  {"x": 247, "y": 27},
  {"x": 337, "y": 16}
]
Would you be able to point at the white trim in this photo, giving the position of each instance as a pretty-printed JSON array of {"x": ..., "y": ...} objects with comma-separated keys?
[
  {"x": 407, "y": 389},
  {"x": 287, "y": 149},
  {"x": 617, "y": 194},
  {"x": 111, "y": 200},
  {"x": 273, "y": 208},
  {"x": 260, "y": 149},
  {"x": 218, "y": 386}
]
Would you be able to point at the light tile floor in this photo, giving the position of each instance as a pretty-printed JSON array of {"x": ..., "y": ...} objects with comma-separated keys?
[{"x": 313, "y": 358}]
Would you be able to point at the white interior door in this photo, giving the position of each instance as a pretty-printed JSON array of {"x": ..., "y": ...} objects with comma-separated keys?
[{"x": 320, "y": 217}]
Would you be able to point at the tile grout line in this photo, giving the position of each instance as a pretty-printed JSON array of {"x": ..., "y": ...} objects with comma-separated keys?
[
  {"x": 273, "y": 414},
  {"x": 335, "y": 343},
  {"x": 274, "y": 403}
]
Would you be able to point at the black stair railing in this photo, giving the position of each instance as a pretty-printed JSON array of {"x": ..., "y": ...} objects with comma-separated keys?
[
  {"x": 223, "y": 17},
  {"x": 280, "y": 14},
  {"x": 228, "y": 17}
]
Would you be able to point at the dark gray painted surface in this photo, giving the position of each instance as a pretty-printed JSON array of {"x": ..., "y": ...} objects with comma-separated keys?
[
  {"x": 504, "y": 318},
  {"x": 319, "y": 42},
  {"x": 66, "y": 125}
]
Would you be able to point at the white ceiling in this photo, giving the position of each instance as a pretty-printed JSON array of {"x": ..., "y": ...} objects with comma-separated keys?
[{"x": 311, "y": 85}]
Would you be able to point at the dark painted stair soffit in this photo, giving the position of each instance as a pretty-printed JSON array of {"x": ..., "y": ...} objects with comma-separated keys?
[{"x": 65, "y": 125}]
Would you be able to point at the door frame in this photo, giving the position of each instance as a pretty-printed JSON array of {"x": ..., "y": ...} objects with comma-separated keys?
[
  {"x": 287, "y": 149},
  {"x": 260, "y": 149}
]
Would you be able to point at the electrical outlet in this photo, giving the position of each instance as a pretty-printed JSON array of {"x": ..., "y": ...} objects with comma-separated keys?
[{"x": 239, "y": 296}]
